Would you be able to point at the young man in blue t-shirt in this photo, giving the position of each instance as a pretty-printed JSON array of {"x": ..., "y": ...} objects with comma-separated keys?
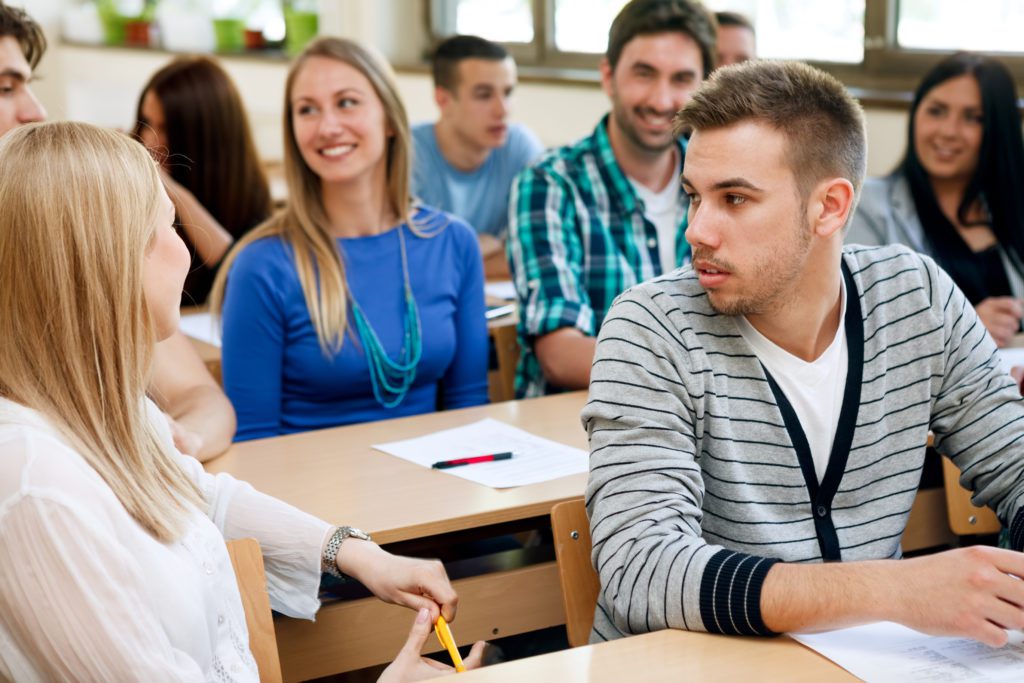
[{"x": 466, "y": 161}]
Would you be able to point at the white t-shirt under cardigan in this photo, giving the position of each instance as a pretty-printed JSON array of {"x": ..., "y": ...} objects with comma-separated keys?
[
  {"x": 814, "y": 388},
  {"x": 87, "y": 594}
]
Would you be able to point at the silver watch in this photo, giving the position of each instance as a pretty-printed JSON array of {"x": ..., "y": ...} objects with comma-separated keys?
[{"x": 329, "y": 560}]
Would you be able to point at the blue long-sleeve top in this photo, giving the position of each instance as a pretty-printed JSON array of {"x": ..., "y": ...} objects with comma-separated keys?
[{"x": 274, "y": 370}]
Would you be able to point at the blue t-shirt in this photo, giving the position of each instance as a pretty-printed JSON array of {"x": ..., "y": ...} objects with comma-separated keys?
[
  {"x": 479, "y": 197},
  {"x": 274, "y": 370}
]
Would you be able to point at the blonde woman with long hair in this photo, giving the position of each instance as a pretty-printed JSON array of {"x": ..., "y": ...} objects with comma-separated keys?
[
  {"x": 352, "y": 304},
  {"x": 112, "y": 556}
]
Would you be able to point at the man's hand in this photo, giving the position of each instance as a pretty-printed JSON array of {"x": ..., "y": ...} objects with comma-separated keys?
[
  {"x": 413, "y": 583},
  {"x": 969, "y": 592},
  {"x": 410, "y": 666},
  {"x": 1001, "y": 316}
]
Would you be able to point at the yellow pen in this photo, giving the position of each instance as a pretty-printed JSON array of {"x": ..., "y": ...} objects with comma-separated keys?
[{"x": 444, "y": 634}]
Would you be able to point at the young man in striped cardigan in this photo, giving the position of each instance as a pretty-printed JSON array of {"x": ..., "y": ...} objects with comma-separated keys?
[{"x": 758, "y": 420}]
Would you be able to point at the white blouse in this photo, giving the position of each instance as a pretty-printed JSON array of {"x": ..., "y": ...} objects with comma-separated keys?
[{"x": 87, "y": 594}]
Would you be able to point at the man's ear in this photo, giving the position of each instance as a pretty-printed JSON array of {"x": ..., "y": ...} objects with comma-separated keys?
[
  {"x": 830, "y": 206},
  {"x": 442, "y": 96},
  {"x": 606, "y": 76}
]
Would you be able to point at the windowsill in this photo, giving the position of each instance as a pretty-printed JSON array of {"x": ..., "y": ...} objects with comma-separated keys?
[
  {"x": 895, "y": 95},
  {"x": 264, "y": 55}
]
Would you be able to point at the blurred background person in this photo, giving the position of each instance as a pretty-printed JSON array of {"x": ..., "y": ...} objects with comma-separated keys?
[
  {"x": 956, "y": 194},
  {"x": 737, "y": 41},
  {"x": 465, "y": 162},
  {"x": 191, "y": 118}
]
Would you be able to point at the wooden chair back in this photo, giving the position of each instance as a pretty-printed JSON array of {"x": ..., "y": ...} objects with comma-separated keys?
[
  {"x": 580, "y": 585},
  {"x": 506, "y": 344},
  {"x": 247, "y": 561},
  {"x": 965, "y": 518}
]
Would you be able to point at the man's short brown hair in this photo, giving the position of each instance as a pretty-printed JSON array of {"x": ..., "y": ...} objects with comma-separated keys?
[
  {"x": 734, "y": 19},
  {"x": 453, "y": 51},
  {"x": 649, "y": 17},
  {"x": 19, "y": 25},
  {"x": 823, "y": 123}
]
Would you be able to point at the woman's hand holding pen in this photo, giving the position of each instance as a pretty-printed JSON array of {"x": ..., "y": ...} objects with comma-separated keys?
[
  {"x": 410, "y": 666},
  {"x": 421, "y": 585},
  {"x": 410, "y": 582}
]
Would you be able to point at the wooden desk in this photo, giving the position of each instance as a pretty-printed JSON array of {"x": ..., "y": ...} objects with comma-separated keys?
[
  {"x": 336, "y": 475},
  {"x": 670, "y": 656}
]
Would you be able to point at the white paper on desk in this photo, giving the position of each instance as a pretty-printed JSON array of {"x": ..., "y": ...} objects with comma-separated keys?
[
  {"x": 201, "y": 326},
  {"x": 890, "y": 652},
  {"x": 1010, "y": 357},
  {"x": 500, "y": 289},
  {"x": 535, "y": 460}
]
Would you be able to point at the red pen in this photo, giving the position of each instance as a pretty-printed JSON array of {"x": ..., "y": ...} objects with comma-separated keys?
[{"x": 445, "y": 464}]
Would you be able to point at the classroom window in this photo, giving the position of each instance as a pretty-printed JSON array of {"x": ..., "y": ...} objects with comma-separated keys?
[
  {"x": 873, "y": 43},
  {"x": 983, "y": 25},
  {"x": 798, "y": 29},
  {"x": 582, "y": 25},
  {"x": 503, "y": 21},
  {"x": 572, "y": 32}
]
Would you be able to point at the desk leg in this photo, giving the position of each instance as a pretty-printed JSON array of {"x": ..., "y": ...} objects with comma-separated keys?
[{"x": 359, "y": 633}]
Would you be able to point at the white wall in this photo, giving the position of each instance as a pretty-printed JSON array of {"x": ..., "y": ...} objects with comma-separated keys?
[{"x": 102, "y": 85}]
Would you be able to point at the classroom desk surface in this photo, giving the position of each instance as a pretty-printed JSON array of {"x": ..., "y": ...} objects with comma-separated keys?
[
  {"x": 336, "y": 474},
  {"x": 670, "y": 656}
]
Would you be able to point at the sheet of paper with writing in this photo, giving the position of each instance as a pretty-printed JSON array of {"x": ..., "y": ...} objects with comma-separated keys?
[
  {"x": 535, "y": 459},
  {"x": 890, "y": 652}
]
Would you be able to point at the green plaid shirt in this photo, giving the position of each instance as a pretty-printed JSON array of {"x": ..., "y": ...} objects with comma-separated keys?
[{"x": 578, "y": 238}]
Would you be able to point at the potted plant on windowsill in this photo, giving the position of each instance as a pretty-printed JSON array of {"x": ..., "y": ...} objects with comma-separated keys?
[{"x": 126, "y": 22}]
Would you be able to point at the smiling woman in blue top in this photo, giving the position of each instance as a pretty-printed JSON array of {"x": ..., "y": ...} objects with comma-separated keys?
[{"x": 353, "y": 303}]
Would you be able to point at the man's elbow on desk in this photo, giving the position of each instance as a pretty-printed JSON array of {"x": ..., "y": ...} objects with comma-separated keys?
[{"x": 566, "y": 356}]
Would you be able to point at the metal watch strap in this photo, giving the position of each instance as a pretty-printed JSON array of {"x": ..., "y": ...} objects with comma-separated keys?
[{"x": 329, "y": 560}]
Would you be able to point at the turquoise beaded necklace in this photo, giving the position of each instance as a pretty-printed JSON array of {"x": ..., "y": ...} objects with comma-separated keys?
[{"x": 391, "y": 379}]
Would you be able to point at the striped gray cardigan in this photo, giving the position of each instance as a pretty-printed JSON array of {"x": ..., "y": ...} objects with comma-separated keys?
[{"x": 701, "y": 477}]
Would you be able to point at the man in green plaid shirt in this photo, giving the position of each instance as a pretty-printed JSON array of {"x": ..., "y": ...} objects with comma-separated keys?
[{"x": 591, "y": 219}]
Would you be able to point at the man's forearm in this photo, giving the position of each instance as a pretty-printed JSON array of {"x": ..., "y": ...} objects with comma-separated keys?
[
  {"x": 206, "y": 412},
  {"x": 816, "y": 597},
  {"x": 566, "y": 356},
  {"x": 969, "y": 592}
]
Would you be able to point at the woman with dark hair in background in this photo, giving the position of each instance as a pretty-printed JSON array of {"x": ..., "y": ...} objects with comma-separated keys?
[
  {"x": 190, "y": 117},
  {"x": 956, "y": 194}
]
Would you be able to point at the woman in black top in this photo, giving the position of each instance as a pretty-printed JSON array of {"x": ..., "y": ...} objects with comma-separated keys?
[{"x": 957, "y": 193}]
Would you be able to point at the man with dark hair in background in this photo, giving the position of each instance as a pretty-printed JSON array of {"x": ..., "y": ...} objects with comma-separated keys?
[
  {"x": 465, "y": 163},
  {"x": 596, "y": 217},
  {"x": 737, "y": 41}
]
